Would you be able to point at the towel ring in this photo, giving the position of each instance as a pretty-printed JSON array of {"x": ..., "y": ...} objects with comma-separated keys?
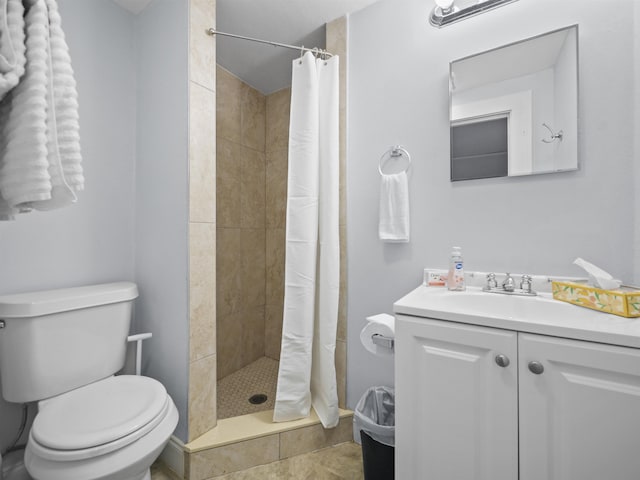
[{"x": 394, "y": 152}]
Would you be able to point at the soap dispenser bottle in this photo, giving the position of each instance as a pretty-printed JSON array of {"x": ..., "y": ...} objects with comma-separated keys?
[{"x": 455, "y": 279}]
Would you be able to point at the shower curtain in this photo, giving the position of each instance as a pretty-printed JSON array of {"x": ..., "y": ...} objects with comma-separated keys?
[{"x": 307, "y": 374}]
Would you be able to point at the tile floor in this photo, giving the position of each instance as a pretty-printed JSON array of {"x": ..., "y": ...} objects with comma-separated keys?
[
  {"x": 234, "y": 390},
  {"x": 340, "y": 462}
]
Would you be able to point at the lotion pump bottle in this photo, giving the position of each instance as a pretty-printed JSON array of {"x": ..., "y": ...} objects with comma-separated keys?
[{"x": 455, "y": 279}]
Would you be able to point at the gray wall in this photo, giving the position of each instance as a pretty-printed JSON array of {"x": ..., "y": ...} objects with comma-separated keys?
[
  {"x": 131, "y": 222},
  {"x": 537, "y": 224},
  {"x": 92, "y": 241},
  {"x": 161, "y": 253}
]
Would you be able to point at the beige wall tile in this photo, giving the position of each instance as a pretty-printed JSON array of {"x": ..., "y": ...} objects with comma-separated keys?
[
  {"x": 278, "y": 108},
  {"x": 202, "y": 154},
  {"x": 273, "y": 331},
  {"x": 252, "y": 335},
  {"x": 307, "y": 439},
  {"x": 275, "y": 256},
  {"x": 229, "y": 347},
  {"x": 252, "y": 246},
  {"x": 202, "y": 290},
  {"x": 341, "y": 372},
  {"x": 342, "y": 302},
  {"x": 253, "y": 111},
  {"x": 229, "y": 271},
  {"x": 336, "y": 37},
  {"x": 228, "y": 100},
  {"x": 202, "y": 396},
  {"x": 231, "y": 458},
  {"x": 228, "y": 180},
  {"x": 202, "y": 47},
  {"x": 276, "y": 188},
  {"x": 252, "y": 188}
]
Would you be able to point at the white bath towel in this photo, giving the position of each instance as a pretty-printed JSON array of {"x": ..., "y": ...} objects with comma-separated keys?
[
  {"x": 394, "y": 225},
  {"x": 24, "y": 175},
  {"x": 39, "y": 135},
  {"x": 12, "y": 47}
]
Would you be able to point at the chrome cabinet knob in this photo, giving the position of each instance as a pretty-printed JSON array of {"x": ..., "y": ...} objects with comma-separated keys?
[
  {"x": 536, "y": 367},
  {"x": 502, "y": 360}
]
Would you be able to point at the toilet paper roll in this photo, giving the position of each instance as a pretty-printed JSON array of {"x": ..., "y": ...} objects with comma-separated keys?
[{"x": 381, "y": 324}]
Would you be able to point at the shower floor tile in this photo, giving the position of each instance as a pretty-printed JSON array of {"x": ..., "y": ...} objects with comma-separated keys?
[{"x": 234, "y": 391}]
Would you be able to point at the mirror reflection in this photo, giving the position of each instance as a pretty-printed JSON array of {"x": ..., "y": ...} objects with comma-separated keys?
[{"x": 514, "y": 109}]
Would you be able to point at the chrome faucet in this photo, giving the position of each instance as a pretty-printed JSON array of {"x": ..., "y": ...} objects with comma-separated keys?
[{"x": 508, "y": 286}]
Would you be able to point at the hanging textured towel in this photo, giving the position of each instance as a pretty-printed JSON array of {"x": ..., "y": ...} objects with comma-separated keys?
[
  {"x": 394, "y": 225},
  {"x": 12, "y": 47},
  {"x": 39, "y": 134}
]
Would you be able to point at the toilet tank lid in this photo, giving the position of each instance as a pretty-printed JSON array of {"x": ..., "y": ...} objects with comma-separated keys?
[{"x": 46, "y": 302}]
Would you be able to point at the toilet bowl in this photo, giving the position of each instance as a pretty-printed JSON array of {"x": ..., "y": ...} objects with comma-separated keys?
[
  {"x": 62, "y": 348},
  {"x": 114, "y": 429}
]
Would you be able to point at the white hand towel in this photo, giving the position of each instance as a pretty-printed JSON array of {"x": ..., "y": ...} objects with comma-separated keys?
[
  {"x": 394, "y": 225},
  {"x": 12, "y": 46}
]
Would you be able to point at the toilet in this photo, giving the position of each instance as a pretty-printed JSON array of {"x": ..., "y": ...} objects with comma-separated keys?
[{"x": 62, "y": 348}]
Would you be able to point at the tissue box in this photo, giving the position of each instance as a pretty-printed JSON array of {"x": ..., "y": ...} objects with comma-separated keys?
[{"x": 624, "y": 301}]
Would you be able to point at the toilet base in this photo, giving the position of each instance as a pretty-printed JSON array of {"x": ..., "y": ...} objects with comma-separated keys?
[
  {"x": 145, "y": 476},
  {"x": 13, "y": 467}
]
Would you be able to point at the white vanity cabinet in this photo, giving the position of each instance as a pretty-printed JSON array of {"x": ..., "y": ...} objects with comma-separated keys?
[{"x": 486, "y": 403}]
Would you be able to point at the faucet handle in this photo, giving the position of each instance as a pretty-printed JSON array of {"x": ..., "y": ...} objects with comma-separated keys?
[
  {"x": 508, "y": 284},
  {"x": 491, "y": 281},
  {"x": 525, "y": 283}
]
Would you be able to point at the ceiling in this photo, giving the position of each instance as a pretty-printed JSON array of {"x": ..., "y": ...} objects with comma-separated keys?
[{"x": 294, "y": 22}]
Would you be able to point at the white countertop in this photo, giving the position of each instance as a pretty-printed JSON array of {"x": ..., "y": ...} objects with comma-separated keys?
[{"x": 541, "y": 314}]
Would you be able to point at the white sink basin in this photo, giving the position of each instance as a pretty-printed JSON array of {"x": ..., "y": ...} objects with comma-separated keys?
[
  {"x": 540, "y": 314},
  {"x": 474, "y": 301}
]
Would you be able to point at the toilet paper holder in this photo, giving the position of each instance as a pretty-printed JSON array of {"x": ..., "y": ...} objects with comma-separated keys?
[{"x": 382, "y": 341}]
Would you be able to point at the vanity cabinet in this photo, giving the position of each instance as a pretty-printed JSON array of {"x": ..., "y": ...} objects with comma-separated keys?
[{"x": 483, "y": 403}]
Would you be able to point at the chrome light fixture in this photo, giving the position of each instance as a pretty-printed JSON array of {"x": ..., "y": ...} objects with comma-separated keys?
[{"x": 450, "y": 11}]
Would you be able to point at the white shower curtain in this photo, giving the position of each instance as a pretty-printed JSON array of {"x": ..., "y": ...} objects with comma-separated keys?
[{"x": 307, "y": 374}]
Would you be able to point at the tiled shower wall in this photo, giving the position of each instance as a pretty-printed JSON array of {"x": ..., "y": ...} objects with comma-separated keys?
[
  {"x": 277, "y": 147},
  {"x": 241, "y": 236},
  {"x": 202, "y": 219}
]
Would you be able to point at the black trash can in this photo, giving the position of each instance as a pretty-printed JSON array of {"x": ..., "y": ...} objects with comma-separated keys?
[{"x": 374, "y": 427}]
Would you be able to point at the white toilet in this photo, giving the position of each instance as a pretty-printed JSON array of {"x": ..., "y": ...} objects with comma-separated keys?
[{"x": 62, "y": 349}]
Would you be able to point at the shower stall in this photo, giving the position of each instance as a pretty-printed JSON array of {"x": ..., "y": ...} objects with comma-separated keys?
[{"x": 251, "y": 177}]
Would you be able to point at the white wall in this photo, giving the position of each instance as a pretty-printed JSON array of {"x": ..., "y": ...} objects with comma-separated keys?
[
  {"x": 398, "y": 94},
  {"x": 92, "y": 241},
  {"x": 161, "y": 240}
]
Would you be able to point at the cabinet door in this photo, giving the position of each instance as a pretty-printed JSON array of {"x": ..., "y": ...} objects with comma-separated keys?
[
  {"x": 456, "y": 408},
  {"x": 579, "y": 417}
]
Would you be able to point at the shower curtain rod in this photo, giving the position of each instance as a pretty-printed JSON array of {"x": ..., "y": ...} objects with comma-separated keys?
[{"x": 212, "y": 32}]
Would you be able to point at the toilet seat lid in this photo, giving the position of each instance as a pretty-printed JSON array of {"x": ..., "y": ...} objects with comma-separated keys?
[{"x": 99, "y": 413}]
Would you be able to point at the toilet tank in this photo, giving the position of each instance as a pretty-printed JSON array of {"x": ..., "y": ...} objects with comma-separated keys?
[{"x": 57, "y": 340}]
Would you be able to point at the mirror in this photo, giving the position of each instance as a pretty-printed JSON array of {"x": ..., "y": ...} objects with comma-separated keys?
[{"x": 514, "y": 109}]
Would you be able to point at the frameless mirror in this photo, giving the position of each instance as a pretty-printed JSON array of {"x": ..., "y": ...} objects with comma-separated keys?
[{"x": 514, "y": 109}]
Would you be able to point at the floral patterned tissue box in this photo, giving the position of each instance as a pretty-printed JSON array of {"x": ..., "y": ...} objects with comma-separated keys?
[{"x": 624, "y": 301}]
